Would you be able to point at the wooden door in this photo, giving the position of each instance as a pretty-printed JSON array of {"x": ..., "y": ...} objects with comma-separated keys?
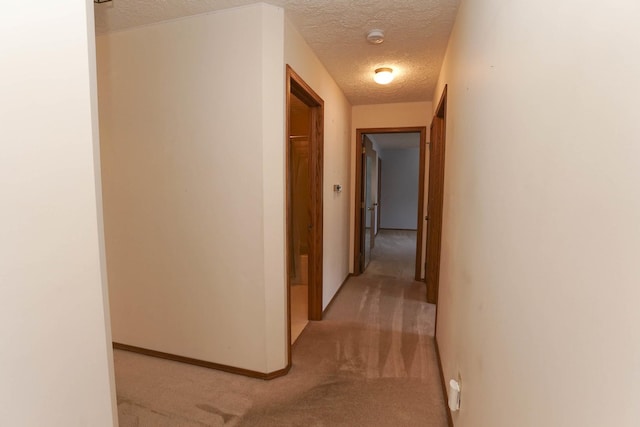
[
  {"x": 369, "y": 201},
  {"x": 435, "y": 199},
  {"x": 379, "y": 204}
]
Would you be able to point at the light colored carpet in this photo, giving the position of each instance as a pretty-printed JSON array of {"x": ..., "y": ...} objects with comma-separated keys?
[
  {"x": 371, "y": 362},
  {"x": 394, "y": 254}
]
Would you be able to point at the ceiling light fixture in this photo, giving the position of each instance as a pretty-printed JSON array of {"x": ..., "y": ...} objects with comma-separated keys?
[
  {"x": 375, "y": 36},
  {"x": 383, "y": 75}
]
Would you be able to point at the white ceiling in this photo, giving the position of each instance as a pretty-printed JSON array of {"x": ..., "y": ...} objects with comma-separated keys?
[
  {"x": 396, "y": 141},
  {"x": 416, "y": 35}
]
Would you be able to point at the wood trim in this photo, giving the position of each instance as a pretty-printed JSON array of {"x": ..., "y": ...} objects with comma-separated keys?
[
  {"x": 336, "y": 294},
  {"x": 408, "y": 129},
  {"x": 357, "y": 244},
  {"x": 374, "y": 155},
  {"x": 203, "y": 363},
  {"x": 419, "y": 240},
  {"x": 436, "y": 198},
  {"x": 288, "y": 215},
  {"x": 357, "y": 236},
  {"x": 379, "y": 207},
  {"x": 315, "y": 301},
  {"x": 444, "y": 384}
]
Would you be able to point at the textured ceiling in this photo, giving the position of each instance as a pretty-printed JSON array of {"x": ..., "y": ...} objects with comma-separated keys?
[
  {"x": 416, "y": 35},
  {"x": 396, "y": 141}
]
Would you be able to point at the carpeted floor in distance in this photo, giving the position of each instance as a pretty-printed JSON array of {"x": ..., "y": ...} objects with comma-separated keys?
[{"x": 370, "y": 362}]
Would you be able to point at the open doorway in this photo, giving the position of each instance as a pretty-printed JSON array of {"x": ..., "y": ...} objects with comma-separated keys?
[
  {"x": 304, "y": 148},
  {"x": 390, "y": 200}
]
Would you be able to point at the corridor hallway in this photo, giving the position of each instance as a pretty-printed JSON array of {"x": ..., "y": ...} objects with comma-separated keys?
[
  {"x": 394, "y": 254},
  {"x": 371, "y": 362}
]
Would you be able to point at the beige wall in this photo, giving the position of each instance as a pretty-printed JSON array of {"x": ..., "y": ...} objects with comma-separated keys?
[
  {"x": 399, "y": 188},
  {"x": 409, "y": 114},
  {"x": 56, "y": 366},
  {"x": 193, "y": 186},
  {"x": 273, "y": 185},
  {"x": 194, "y": 162},
  {"x": 391, "y": 115},
  {"x": 336, "y": 158},
  {"x": 539, "y": 275}
]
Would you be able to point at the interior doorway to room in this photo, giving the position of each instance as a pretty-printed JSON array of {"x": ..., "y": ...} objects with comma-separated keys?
[
  {"x": 371, "y": 206},
  {"x": 304, "y": 170}
]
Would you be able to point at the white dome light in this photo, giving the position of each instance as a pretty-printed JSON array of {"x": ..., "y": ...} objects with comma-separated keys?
[{"x": 383, "y": 76}]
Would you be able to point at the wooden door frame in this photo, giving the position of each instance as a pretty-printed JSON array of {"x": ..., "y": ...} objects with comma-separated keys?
[
  {"x": 375, "y": 205},
  {"x": 435, "y": 199},
  {"x": 295, "y": 85},
  {"x": 379, "y": 198},
  {"x": 359, "y": 186}
]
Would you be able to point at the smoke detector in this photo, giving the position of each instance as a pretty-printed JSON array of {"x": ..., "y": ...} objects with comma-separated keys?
[{"x": 375, "y": 36}]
